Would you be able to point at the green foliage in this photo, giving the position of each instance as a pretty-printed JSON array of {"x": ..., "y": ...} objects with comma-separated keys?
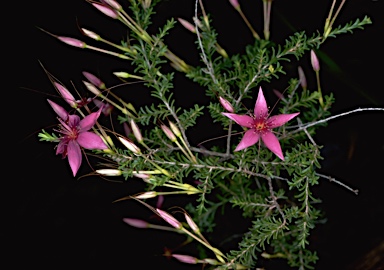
[{"x": 274, "y": 195}]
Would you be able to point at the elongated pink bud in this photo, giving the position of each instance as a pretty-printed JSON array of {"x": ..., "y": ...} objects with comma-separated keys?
[
  {"x": 235, "y": 4},
  {"x": 130, "y": 145},
  {"x": 138, "y": 223},
  {"x": 168, "y": 132},
  {"x": 73, "y": 42},
  {"x": 226, "y": 105},
  {"x": 169, "y": 219},
  {"x": 315, "y": 61},
  {"x": 92, "y": 88},
  {"x": 303, "y": 80},
  {"x": 187, "y": 25},
  {"x": 136, "y": 131},
  {"x": 106, "y": 10},
  {"x": 185, "y": 258},
  {"x": 90, "y": 34},
  {"x": 146, "y": 195},
  {"x": 94, "y": 80},
  {"x": 67, "y": 96},
  {"x": 113, "y": 4},
  {"x": 191, "y": 223}
]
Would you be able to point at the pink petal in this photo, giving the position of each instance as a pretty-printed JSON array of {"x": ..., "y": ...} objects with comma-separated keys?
[
  {"x": 242, "y": 120},
  {"x": 60, "y": 111},
  {"x": 279, "y": 120},
  {"x": 62, "y": 147},
  {"x": 272, "y": 143},
  {"x": 74, "y": 156},
  {"x": 90, "y": 140},
  {"x": 89, "y": 121},
  {"x": 73, "y": 120},
  {"x": 261, "y": 108},
  {"x": 250, "y": 138}
]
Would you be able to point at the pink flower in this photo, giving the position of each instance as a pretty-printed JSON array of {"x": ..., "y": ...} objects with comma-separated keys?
[
  {"x": 75, "y": 134},
  {"x": 260, "y": 125}
]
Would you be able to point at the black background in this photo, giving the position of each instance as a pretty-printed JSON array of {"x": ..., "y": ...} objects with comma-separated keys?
[{"x": 58, "y": 221}]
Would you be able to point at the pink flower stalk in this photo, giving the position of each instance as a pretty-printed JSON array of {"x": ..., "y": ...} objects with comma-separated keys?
[
  {"x": 226, "y": 105},
  {"x": 260, "y": 125},
  {"x": 185, "y": 258},
  {"x": 315, "y": 61},
  {"x": 67, "y": 96},
  {"x": 73, "y": 42},
  {"x": 169, "y": 219},
  {"x": 75, "y": 134},
  {"x": 94, "y": 80}
]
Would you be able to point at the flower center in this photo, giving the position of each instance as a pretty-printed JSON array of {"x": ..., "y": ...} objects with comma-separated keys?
[{"x": 260, "y": 125}]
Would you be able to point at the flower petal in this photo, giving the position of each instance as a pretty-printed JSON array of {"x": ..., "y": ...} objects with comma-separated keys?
[
  {"x": 60, "y": 111},
  {"x": 261, "y": 107},
  {"x": 90, "y": 140},
  {"x": 74, "y": 156},
  {"x": 272, "y": 143},
  {"x": 89, "y": 121},
  {"x": 242, "y": 120},
  {"x": 250, "y": 138},
  {"x": 281, "y": 119}
]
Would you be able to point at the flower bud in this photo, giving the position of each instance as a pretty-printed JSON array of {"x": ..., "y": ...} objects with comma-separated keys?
[
  {"x": 138, "y": 223},
  {"x": 146, "y": 195},
  {"x": 169, "y": 219},
  {"x": 303, "y": 80},
  {"x": 109, "y": 172},
  {"x": 130, "y": 145},
  {"x": 175, "y": 129},
  {"x": 113, "y": 4},
  {"x": 187, "y": 25},
  {"x": 235, "y": 4},
  {"x": 106, "y": 107},
  {"x": 67, "y": 96},
  {"x": 94, "y": 80},
  {"x": 168, "y": 132},
  {"x": 191, "y": 223},
  {"x": 106, "y": 10},
  {"x": 315, "y": 61},
  {"x": 73, "y": 42},
  {"x": 186, "y": 258},
  {"x": 92, "y": 88},
  {"x": 90, "y": 34},
  {"x": 226, "y": 105},
  {"x": 136, "y": 131}
]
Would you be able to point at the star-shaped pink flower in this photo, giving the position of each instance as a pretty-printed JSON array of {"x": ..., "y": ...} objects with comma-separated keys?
[
  {"x": 260, "y": 125},
  {"x": 75, "y": 134}
]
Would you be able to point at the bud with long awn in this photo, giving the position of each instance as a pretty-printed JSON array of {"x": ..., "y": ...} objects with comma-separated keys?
[
  {"x": 109, "y": 172},
  {"x": 130, "y": 145},
  {"x": 169, "y": 219}
]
